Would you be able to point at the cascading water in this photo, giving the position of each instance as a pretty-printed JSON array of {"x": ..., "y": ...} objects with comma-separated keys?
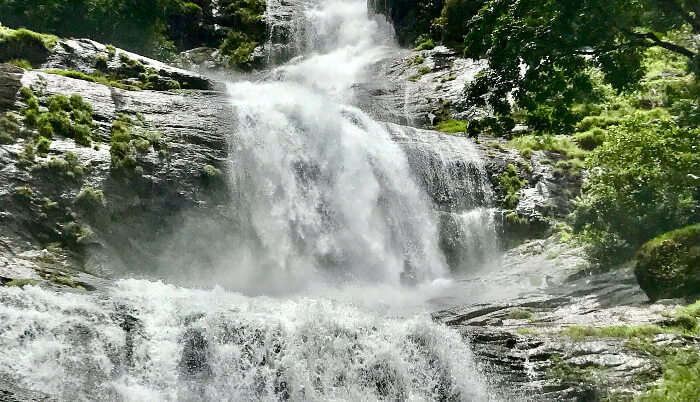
[
  {"x": 329, "y": 214},
  {"x": 153, "y": 342}
]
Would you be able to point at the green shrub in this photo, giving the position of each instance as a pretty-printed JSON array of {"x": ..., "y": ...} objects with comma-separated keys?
[
  {"x": 425, "y": 44},
  {"x": 510, "y": 184},
  {"x": 569, "y": 166},
  {"x": 43, "y": 145},
  {"x": 127, "y": 61},
  {"x": 75, "y": 234},
  {"x": 239, "y": 47},
  {"x": 46, "y": 130},
  {"x": 642, "y": 183},
  {"x": 27, "y": 157},
  {"x": 67, "y": 117},
  {"x": 520, "y": 314},
  {"x": 31, "y": 111},
  {"x": 111, "y": 51},
  {"x": 668, "y": 266},
  {"x": 9, "y": 128},
  {"x": 421, "y": 72},
  {"x": 141, "y": 145},
  {"x": 102, "y": 62},
  {"x": 418, "y": 59},
  {"x": 211, "y": 172},
  {"x": 590, "y": 122},
  {"x": 26, "y": 93},
  {"x": 6, "y": 138},
  {"x": 21, "y": 63},
  {"x": 97, "y": 78},
  {"x": 155, "y": 82},
  {"x": 681, "y": 379},
  {"x": 616, "y": 331},
  {"x": 59, "y": 103},
  {"x": 25, "y": 44},
  {"x": 129, "y": 140},
  {"x": 591, "y": 139},
  {"x": 69, "y": 166},
  {"x": 90, "y": 199},
  {"x": 560, "y": 144}
]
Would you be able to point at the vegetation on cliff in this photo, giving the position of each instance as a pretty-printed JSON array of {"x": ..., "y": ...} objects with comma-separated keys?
[
  {"x": 25, "y": 47},
  {"x": 157, "y": 28},
  {"x": 668, "y": 266}
]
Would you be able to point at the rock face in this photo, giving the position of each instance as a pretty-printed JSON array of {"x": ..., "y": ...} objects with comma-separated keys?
[
  {"x": 139, "y": 211},
  {"x": 518, "y": 330},
  {"x": 669, "y": 265},
  {"x": 420, "y": 88},
  {"x": 83, "y": 55},
  {"x": 9, "y": 392}
]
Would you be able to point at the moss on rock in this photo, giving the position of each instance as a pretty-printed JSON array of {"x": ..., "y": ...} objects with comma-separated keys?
[
  {"x": 23, "y": 44},
  {"x": 20, "y": 283},
  {"x": 669, "y": 265}
]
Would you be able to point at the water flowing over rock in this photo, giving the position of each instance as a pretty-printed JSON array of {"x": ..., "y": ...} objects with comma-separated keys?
[
  {"x": 335, "y": 212},
  {"x": 213, "y": 345}
]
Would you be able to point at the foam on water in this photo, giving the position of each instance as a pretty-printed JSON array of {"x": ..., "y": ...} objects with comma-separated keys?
[{"x": 152, "y": 341}]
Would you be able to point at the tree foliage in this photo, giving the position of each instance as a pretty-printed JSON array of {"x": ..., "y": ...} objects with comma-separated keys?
[
  {"x": 643, "y": 182},
  {"x": 155, "y": 27},
  {"x": 540, "y": 52}
]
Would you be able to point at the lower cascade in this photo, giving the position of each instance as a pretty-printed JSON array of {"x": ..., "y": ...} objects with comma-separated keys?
[
  {"x": 151, "y": 341},
  {"x": 340, "y": 241}
]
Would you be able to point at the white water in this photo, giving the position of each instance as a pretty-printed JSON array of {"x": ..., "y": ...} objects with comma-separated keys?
[
  {"x": 322, "y": 191},
  {"x": 330, "y": 216},
  {"x": 193, "y": 345}
]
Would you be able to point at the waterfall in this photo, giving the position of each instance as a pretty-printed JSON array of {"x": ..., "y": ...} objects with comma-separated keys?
[
  {"x": 322, "y": 189},
  {"x": 147, "y": 341},
  {"x": 338, "y": 230}
]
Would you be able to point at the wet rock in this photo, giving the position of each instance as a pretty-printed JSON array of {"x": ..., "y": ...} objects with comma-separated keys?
[
  {"x": 9, "y": 84},
  {"x": 138, "y": 210},
  {"x": 449, "y": 168},
  {"x": 11, "y": 392},
  {"x": 420, "y": 94},
  {"x": 520, "y": 341},
  {"x": 545, "y": 198},
  {"x": 84, "y": 55},
  {"x": 201, "y": 59},
  {"x": 194, "y": 354}
]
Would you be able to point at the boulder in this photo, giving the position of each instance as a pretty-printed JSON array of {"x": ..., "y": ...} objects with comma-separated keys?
[{"x": 669, "y": 265}]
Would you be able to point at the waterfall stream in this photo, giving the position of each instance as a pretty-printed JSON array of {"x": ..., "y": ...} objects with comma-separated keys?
[{"x": 338, "y": 248}]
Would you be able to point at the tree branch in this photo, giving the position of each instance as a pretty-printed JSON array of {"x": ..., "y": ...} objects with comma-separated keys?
[{"x": 655, "y": 41}]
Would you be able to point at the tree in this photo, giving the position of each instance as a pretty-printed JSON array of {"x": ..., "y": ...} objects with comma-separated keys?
[
  {"x": 643, "y": 182},
  {"x": 539, "y": 51}
]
